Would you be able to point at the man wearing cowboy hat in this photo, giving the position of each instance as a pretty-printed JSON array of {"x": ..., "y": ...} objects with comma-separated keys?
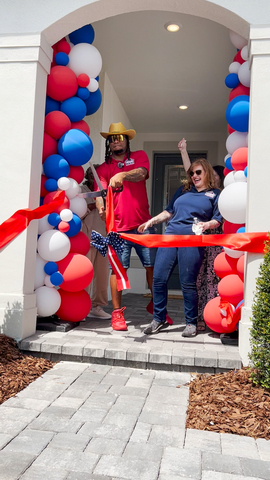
[{"x": 129, "y": 170}]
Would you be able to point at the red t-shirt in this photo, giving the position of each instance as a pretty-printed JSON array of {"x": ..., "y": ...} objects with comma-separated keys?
[{"x": 131, "y": 206}]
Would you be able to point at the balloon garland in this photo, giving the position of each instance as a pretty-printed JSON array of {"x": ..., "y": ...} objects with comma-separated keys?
[
  {"x": 72, "y": 93},
  {"x": 222, "y": 313}
]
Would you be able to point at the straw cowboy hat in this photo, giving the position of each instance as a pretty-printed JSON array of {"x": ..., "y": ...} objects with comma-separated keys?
[{"x": 118, "y": 129}]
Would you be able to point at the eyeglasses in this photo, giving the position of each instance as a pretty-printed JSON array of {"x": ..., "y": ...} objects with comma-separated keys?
[
  {"x": 198, "y": 172},
  {"x": 113, "y": 138}
]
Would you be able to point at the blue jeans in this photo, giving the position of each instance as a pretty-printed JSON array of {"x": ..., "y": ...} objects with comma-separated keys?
[
  {"x": 145, "y": 254},
  {"x": 189, "y": 263}
]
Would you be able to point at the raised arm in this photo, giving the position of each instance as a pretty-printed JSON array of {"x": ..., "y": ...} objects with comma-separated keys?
[
  {"x": 161, "y": 217},
  {"x": 182, "y": 145},
  {"x": 136, "y": 175}
]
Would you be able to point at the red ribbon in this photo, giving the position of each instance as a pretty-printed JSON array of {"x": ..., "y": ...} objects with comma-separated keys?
[
  {"x": 121, "y": 274},
  {"x": 14, "y": 225}
]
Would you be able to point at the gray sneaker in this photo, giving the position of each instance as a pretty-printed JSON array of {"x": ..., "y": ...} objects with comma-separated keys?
[
  {"x": 155, "y": 327},
  {"x": 190, "y": 330}
]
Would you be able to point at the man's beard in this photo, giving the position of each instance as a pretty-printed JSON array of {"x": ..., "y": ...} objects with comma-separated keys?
[{"x": 119, "y": 152}]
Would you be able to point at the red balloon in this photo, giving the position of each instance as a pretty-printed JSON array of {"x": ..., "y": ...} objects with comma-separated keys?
[
  {"x": 77, "y": 271},
  {"x": 239, "y": 90},
  {"x": 61, "y": 83},
  {"x": 50, "y": 197},
  {"x": 230, "y": 129},
  {"x": 75, "y": 306},
  {"x": 229, "y": 227},
  {"x": 63, "y": 226},
  {"x": 239, "y": 158},
  {"x": 81, "y": 125},
  {"x": 225, "y": 265},
  {"x": 49, "y": 146},
  {"x": 62, "y": 46},
  {"x": 213, "y": 317},
  {"x": 79, "y": 243},
  {"x": 56, "y": 124},
  {"x": 226, "y": 171},
  {"x": 231, "y": 288},
  {"x": 43, "y": 191},
  {"x": 241, "y": 267},
  {"x": 83, "y": 80},
  {"x": 238, "y": 58},
  {"x": 77, "y": 173}
]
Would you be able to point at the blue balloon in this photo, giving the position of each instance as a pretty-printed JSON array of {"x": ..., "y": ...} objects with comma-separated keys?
[
  {"x": 51, "y": 185},
  {"x": 74, "y": 226},
  {"x": 74, "y": 108},
  {"x": 50, "y": 268},
  {"x": 246, "y": 172},
  {"x": 97, "y": 78},
  {"x": 240, "y": 303},
  {"x": 228, "y": 163},
  {"x": 241, "y": 230},
  {"x": 93, "y": 102},
  {"x": 61, "y": 58},
  {"x": 84, "y": 34},
  {"x": 237, "y": 113},
  {"x": 232, "y": 80},
  {"x": 76, "y": 147},
  {"x": 41, "y": 201},
  {"x": 51, "y": 105},
  {"x": 55, "y": 166},
  {"x": 83, "y": 93},
  {"x": 54, "y": 219},
  {"x": 56, "y": 278}
]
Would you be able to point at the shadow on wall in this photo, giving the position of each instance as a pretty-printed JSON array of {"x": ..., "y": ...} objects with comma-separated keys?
[{"x": 13, "y": 315}]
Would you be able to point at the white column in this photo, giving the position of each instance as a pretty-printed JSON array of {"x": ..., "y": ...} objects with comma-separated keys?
[
  {"x": 24, "y": 66},
  {"x": 258, "y": 218}
]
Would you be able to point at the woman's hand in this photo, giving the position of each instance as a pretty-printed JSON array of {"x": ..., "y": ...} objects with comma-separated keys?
[
  {"x": 208, "y": 225},
  {"x": 145, "y": 226},
  {"x": 102, "y": 213},
  {"x": 182, "y": 145}
]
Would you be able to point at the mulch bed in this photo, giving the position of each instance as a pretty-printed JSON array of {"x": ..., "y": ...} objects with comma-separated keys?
[
  {"x": 229, "y": 403},
  {"x": 16, "y": 369}
]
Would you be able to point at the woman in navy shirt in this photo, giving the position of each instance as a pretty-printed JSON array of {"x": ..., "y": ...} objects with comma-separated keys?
[{"x": 197, "y": 199}]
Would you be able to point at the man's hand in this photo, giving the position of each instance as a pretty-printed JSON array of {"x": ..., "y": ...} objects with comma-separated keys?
[{"x": 117, "y": 180}]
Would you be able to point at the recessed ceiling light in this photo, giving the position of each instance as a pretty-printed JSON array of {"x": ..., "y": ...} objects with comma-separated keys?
[
  {"x": 183, "y": 107},
  {"x": 172, "y": 27}
]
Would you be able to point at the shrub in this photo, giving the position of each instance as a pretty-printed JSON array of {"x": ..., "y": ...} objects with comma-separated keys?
[{"x": 260, "y": 331}]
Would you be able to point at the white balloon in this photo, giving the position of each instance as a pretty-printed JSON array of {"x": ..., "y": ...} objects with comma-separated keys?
[
  {"x": 48, "y": 282},
  {"x": 66, "y": 215},
  {"x": 85, "y": 58},
  {"x": 244, "y": 53},
  {"x": 232, "y": 202},
  {"x": 236, "y": 140},
  {"x": 229, "y": 179},
  {"x": 48, "y": 301},
  {"x": 63, "y": 183},
  {"x": 73, "y": 189},
  {"x": 43, "y": 225},
  {"x": 234, "y": 67},
  {"x": 39, "y": 273},
  {"x": 53, "y": 245},
  {"x": 244, "y": 74},
  {"x": 226, "y": 156},
  {"x": 239, "y": 176},
  {"x": 78, "y": 205},
  {"x": 237, "y": 41},
  {"x": 232, "y": 253},
  {"x": 93, "y": 85}
]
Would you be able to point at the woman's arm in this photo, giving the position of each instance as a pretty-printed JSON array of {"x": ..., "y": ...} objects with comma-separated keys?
[
  {"x": 161, "y": 217},
  {"x": 209, "y": 225},
  {"x": 182, "y": 145}
]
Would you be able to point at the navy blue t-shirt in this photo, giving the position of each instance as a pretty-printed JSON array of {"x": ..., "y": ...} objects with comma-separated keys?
[{"x": 185, "y": 205}]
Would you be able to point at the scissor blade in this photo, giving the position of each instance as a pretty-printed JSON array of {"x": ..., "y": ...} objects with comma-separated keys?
[{"x": 90, "y": 194}]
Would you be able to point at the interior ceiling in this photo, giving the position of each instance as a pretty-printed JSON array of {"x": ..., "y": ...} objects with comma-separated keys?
[{"x": 154, "y": 71}]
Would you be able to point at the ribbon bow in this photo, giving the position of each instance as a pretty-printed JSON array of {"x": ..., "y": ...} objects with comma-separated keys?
[{"x": 101, "y": 243}]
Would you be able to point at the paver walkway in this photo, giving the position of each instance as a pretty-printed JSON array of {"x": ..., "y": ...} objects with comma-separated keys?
[
  {"x": 83, "y": 421},
  {"x": 95, "y": 341}
]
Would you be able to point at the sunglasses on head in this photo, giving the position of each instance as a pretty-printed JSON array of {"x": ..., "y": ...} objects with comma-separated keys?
[
  {"x": 113, "y": 138},
  {"x": 198, "y": 172}
]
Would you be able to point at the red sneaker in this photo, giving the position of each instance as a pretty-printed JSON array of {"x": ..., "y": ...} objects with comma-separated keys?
[
  {"x": 169, "y": 320},
  {"x": 118, "y": 321},
  {"x": 150, "y": 307}
]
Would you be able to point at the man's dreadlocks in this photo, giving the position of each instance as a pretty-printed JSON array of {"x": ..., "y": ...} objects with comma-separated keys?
[{"x": 108, "y": 151}]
